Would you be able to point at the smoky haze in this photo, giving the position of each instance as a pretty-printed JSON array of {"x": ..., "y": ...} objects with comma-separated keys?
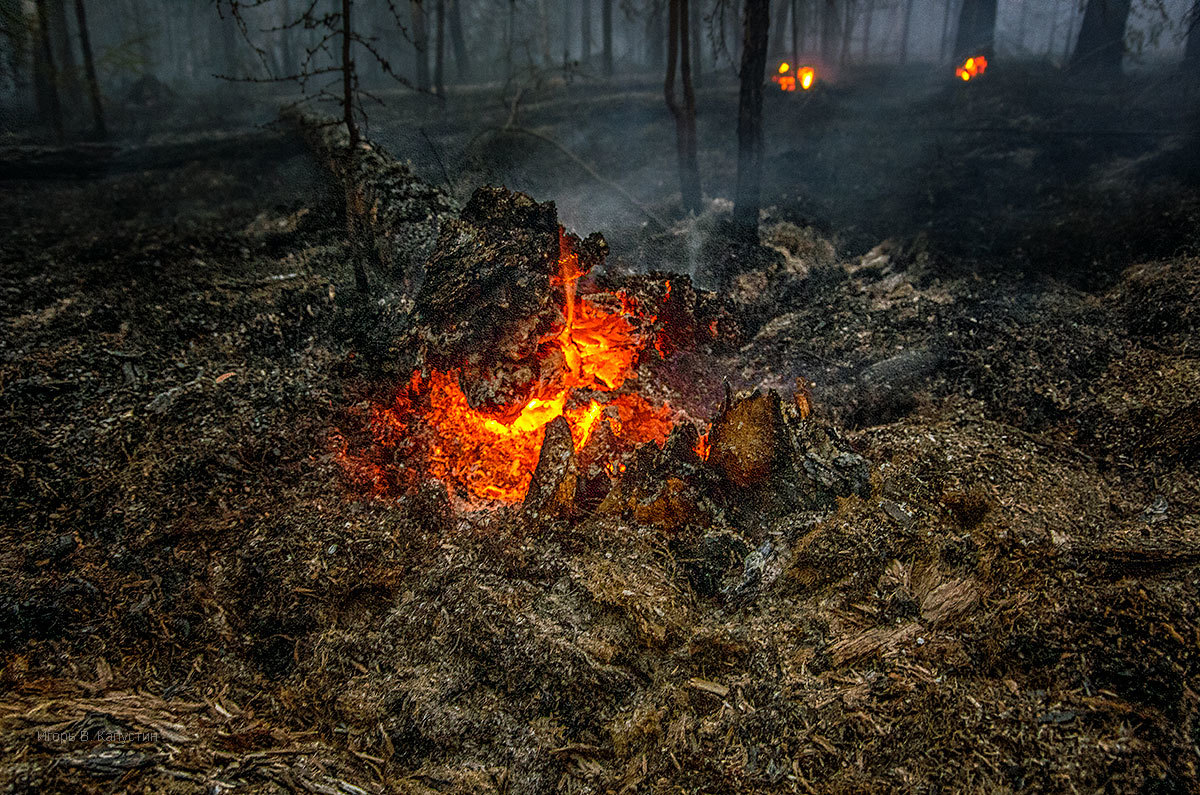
[{"x": 535, "y": 95}]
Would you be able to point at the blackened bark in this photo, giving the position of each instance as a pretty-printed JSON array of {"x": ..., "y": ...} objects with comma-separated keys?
[
  {"x": 830, "y": 34},
  {"x": 655, "y": 35},
  {"x": 510, "y": 41},
  {"x": 976, "y": 29},
  {"x": 748, "y": 196},
  {"x": 99, "y": 128},
  {"x": 678, "y": 50},
  {"x": 566, "y": 34},
  {"x": 287, "y": 49},
  {"x": 606, "y": 12},
  {"x": 847, "y": 32},
  {"x": 1101, "y": 45},
  {"x": 796, "y": 31},
  {"x": 354, "y": 211},
  {"x": 1191, "y": 52},
  {"x": 462, "y": 61},
  {"x": 348, "y": 75},
  {"x": 778, "y": 28},
  {"x": 420, "y": 44},
  {"x": 49, "y": 86},
  {"x": 945, "y": 42},
  {"x": 64, "y": 55},
  {"x": 868, "y": 17},
  {"x": 585, "y": 32},
  {"x": 904, "y": 30},
  {"x": 439, "y": 50}
]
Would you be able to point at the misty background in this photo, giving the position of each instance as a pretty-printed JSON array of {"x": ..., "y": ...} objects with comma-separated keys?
[{"x": 888, "y": 144}]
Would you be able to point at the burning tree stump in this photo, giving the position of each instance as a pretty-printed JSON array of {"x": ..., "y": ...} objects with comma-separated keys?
[
  {"x": 524, "y": 385},
  {"x": 489, "y": 293}
]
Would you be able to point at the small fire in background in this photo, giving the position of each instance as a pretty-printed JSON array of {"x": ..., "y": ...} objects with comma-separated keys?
[
  {"x": 804, "y": 77},
  {"x": 971, "y": 68}
]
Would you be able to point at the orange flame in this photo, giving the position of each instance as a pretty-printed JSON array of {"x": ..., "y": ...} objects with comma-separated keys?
[
  {"x": 971, "y": 68},
  {"x": 491, "y": 457},
  {"x": 805, "y": 76}
]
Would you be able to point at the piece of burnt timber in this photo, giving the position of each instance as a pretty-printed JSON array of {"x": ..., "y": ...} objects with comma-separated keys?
[
  {"x": 398, "y": 212},
  {"x": 552, "y": 491},
  {"x": 492, "y": 291},
  {"x": 773, "y": 458}
]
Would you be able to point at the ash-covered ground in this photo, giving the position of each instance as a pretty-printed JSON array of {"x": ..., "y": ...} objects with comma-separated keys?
[{"x": 1004, "y": 347}]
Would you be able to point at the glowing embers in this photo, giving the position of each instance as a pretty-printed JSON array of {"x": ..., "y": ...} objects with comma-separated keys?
[
  {"x": 788, "y": 80},
  {"x": 490, "y": 456},
  {"x": 971, "y": 68}
]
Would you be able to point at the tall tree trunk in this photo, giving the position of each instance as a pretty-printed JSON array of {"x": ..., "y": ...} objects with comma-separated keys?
[
  {"x": 1101, "y": 45},
  {"x": 694, "y": 25},
  {"x": 420, "y": 43},
  {"x": 778, "y": 29},
  {"x": 585, "y": 32},
  {"x": 348, "y": 74},
  {"x": 1191, "y": 51},
  {"x": 510, "y": 41},
  {"x": 945, "y": 41},
  {"x": 847, "y": 31},
  {"x": 439, "y": 49},
  {"x": 1053, "y": 28},
  {"x": 287, "y": 50},
  {"x": 64, "y": 55},
  {"x": 462, "y": 61},
  {"x": 868, "y": 18},
  {"x": 748, "y": 195},
  {"x": 678, "y": 46},
  {"x": 795, "y": 31},
  {"x": 53, "y": 106},
  {"x": 10, "y": 11},
  {"x": 655, "y": 35},
  {"x": 606, "y": 23},
  {"x": 543, "y": 33},
  {"x": 354, "y": 209},
  {"x": 566, "y": 33},
  {"x": 1069, "y": 41},
  {"x": 976, "y": 29},
  {"x": 1022, "y": 25},
  {"x": 904, "y": 30},
  {"x": 829, "y": 31},
  {"x": 99, "y": 128}
]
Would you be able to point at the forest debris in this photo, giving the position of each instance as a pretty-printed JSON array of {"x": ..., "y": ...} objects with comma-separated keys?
[
  {"x": 746, "y": 439},
  {"x": 882, "y": 641},
  {"x": 949, "y": 600},
  {"x": 898, "y": 513},
  {"x": 717, "y": 689}
]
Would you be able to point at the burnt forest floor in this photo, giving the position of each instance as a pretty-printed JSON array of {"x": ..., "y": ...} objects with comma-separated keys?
[{"x": 993, "y": 293}]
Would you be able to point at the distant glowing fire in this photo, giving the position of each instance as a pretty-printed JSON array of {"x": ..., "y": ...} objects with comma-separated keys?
[
  {"x": 490, "y": 457},
  {"x": 804, "y": 76},
  {"x": 971, "y": 68}
]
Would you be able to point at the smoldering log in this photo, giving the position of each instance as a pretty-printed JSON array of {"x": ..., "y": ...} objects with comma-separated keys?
[{"x": 400, "y": 213}]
